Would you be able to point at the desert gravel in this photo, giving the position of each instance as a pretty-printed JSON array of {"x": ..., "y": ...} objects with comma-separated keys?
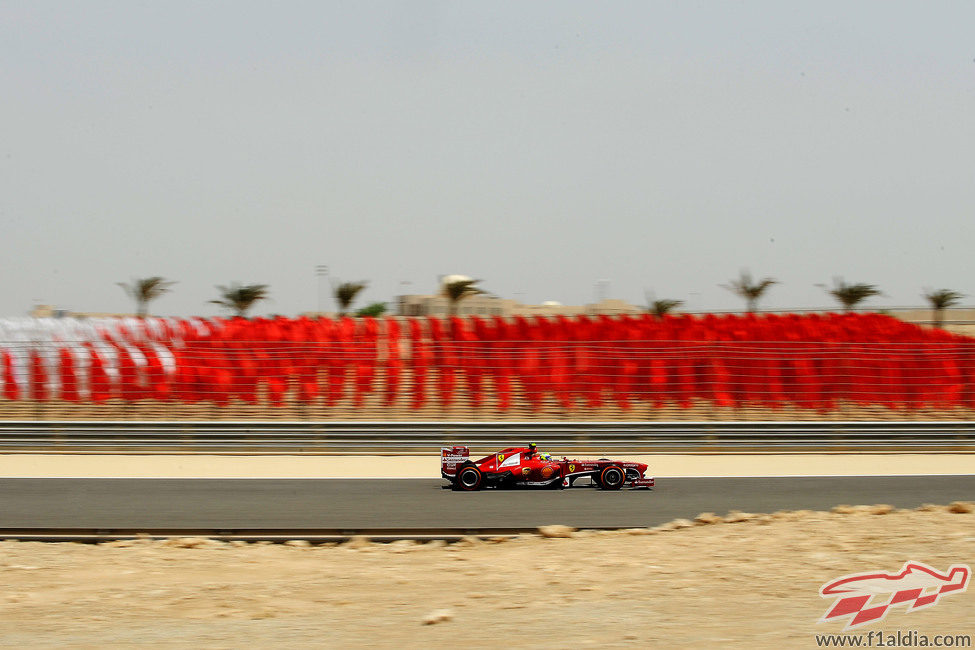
[{"x": 732, "y": 580}]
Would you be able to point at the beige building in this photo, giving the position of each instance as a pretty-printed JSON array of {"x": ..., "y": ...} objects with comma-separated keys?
[
  {"x": 487, "y": 305},
  {"x": 49, "y": 311},
  {"x": 960, "y": 320}
]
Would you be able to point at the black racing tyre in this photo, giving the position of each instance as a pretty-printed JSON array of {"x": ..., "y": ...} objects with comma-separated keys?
[
  {"x": 612, "y": 477},
  {"x": 469, "y": 478}
]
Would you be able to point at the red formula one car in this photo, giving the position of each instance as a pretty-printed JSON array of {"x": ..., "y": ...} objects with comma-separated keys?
[{"x": 526, "y": 466}]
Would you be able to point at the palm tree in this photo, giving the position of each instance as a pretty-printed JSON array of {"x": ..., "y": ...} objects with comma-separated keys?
[
  {"x": 850, "y": 295},
  {"x": 941, "y": 300},
  {"x": 457, "y": 287},
  {"x": 241, "y": 297},
  {"x": 345, "y": 294},
  {"x": 751, "y": 291},
  {"x": 374, "y": 309},
  {"x": 145, "y": 290},
  {"x": 661, "y": 307}
]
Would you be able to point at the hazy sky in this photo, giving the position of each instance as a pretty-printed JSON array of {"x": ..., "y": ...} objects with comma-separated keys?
[{"x": 540, "y": 146}]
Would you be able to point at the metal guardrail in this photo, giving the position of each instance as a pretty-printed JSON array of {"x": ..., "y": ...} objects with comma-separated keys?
[{"x": 412, "y": 438}]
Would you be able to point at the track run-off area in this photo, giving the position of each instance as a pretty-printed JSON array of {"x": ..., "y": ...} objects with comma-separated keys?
[{"x": 326, "y": 495}]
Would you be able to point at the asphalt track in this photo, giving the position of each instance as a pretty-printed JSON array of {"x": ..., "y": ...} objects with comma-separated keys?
[{"x": 352, "y": 504}]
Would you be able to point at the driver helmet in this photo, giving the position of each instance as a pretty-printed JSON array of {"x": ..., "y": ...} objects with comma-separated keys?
[{"x": 545, "y": 456}]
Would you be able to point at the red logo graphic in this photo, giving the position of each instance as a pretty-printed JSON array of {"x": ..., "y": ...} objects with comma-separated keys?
[{"x": 916, "y": 586}]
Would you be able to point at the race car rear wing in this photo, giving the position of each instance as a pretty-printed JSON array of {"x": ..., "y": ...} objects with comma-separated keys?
[{"x": 451, "y": 457}]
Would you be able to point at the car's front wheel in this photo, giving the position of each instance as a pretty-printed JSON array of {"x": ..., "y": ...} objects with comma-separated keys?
[
  {"x": 612, "y": 478},
  {"x": 469, "y": 478}
]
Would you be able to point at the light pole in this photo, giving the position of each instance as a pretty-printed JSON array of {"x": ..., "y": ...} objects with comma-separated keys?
[{"x": 322, "y": 272}]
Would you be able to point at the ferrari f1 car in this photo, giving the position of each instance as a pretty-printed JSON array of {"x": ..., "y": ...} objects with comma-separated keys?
[{"x": 527, "y": 467}]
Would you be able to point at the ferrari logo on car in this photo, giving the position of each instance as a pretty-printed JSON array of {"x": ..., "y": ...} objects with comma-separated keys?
[
  {"x": 525, "y": 470},
  {"x": 572, "y": 468}
]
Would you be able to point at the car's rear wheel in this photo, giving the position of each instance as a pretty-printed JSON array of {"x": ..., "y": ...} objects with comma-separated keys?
[
  {"x": 469, "y": 478},
  {"x": 612, "y": 478}
]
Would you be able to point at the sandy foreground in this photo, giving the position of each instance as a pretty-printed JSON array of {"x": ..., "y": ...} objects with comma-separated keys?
[
  {"x": 751, "y": 583},
  {"x": 310, "y": 466}
]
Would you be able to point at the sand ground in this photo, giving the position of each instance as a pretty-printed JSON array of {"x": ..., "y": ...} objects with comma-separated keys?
[
  {"x": 273, "y": 466},
  {"x": 754, "y": 583}
]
